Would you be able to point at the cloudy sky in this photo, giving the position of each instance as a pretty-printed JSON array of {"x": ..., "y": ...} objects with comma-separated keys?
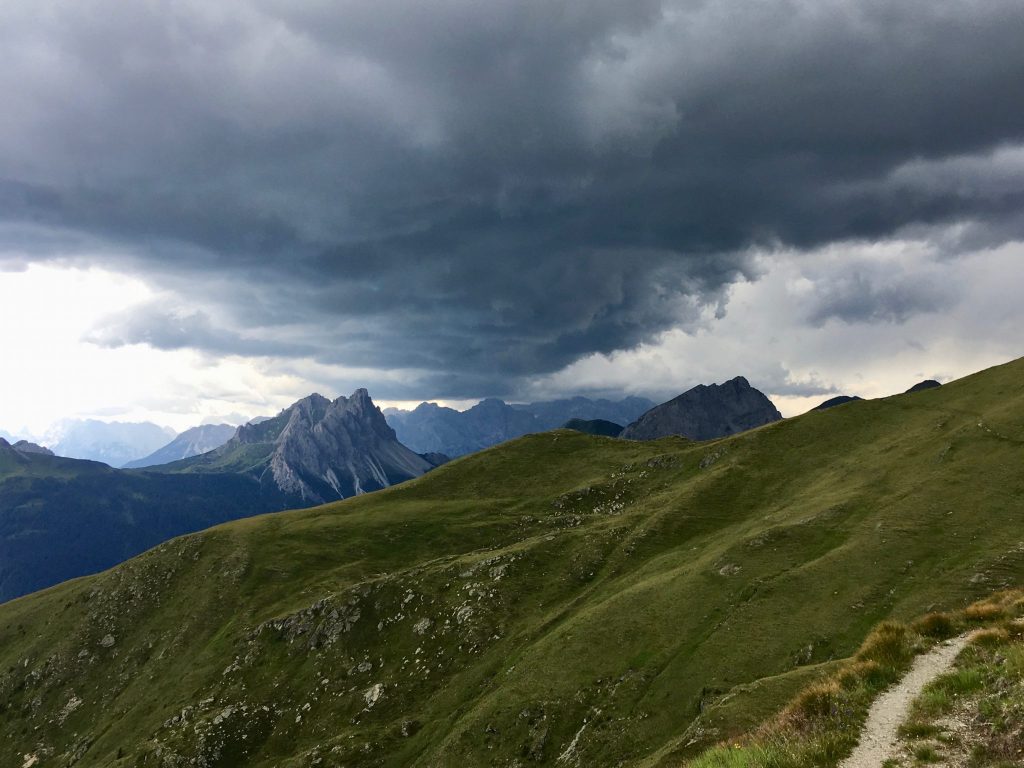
[{"x": 210, "y": 209}]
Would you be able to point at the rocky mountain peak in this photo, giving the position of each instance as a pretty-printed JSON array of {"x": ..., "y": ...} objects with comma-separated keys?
[
  {"x": 24, "y": 446},
  {"x": 327, "y": 450},
  {"x": 705, "y": 412},
  {"x": 313, "y": 405},
  {"x": 490, "y": 404}
]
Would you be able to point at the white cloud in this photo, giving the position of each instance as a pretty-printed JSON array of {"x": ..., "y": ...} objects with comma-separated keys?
[
  {"x": 50, "y": 372},
  {"x": 765, "y": 334}
]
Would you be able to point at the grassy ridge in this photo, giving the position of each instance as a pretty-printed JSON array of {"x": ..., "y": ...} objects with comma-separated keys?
[{"x": 560, "y": 596}]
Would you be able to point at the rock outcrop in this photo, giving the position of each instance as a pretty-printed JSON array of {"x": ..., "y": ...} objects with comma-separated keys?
[
  {"x": 706, "y": 412},
  {"x": 923, "y": 385},
  {"x": 24, "y": 446}
]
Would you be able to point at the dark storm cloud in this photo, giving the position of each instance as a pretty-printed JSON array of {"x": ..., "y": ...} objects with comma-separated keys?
[
  {"x": 181, "y": 329},
  {"x": 488, "y": 191}
]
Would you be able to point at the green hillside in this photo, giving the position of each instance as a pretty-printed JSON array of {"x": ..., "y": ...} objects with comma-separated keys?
[
  {"x": 60, "y": 518},
  {"x": 560, "y": 599}
]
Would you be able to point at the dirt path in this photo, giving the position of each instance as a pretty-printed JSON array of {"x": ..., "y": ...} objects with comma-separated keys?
[{"x": 878, "y": 741}]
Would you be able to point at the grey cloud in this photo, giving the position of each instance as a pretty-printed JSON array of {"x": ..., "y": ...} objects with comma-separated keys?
[
  {"x": 483, "y": 192},
  {"x": 879, "y": 292},
  {"x": 171, "y": 329}
]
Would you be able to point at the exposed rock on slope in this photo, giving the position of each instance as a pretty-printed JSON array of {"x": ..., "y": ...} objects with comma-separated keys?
[
  {"x": 24, "y": 446},
  {"x": 706, "y": 412},
  {"x": 21, "y": 448},
  {"x": 191, "y": 442},
  {"x": 435, "y": 459}
]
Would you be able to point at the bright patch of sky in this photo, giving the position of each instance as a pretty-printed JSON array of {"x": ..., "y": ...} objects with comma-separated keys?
[{"x": 51, "y": 372}]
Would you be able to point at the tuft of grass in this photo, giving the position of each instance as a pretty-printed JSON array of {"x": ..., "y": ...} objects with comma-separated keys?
[
  {"x": 917, "y": 729},
  {"x": 926, "y": 753},
  {"x": 961, "y": 682},
  {"x": 984, "y": 612},
  {"x": 869, "y": 673},
  {"x": 890, "y": 644},
  {"x": 941, "y": 695},
  {"x": 817, "y": 702},
  {"x": 992, "y": 636},
  {"x": 940, "y": 626}
]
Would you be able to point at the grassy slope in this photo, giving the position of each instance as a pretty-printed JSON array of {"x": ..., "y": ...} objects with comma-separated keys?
[
  {"x": 571, "y": 581},
  {"x": 15, "y": 464},
  {"x": 61, "y": 518}
]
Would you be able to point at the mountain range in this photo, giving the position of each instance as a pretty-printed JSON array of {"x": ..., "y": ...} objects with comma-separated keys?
[
  {"x": 61, "y": 518},
  {"x": 561, "y": 599},
  {"x": 191, "y": 442},
  {"x": 434, "y": 428},
  {"x": 113, "y": 442}
]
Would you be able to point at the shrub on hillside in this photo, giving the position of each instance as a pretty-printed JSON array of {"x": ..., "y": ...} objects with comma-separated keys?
[
  {"x": 937, "y": 625},
  {"x": 890, "y": 644}
]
